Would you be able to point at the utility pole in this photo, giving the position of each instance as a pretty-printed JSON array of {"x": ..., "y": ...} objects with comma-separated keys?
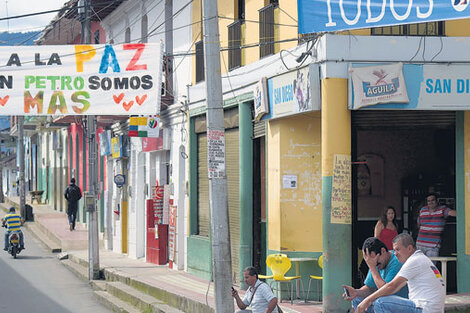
[
  {"x": 220, "y": 227},
  {"x": 91, "y": 196},
  {"x": 20, "y": 122}
]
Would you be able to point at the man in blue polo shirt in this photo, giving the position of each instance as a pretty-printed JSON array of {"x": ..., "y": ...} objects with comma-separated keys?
[
  {"x": 383, "y": 267},
  {"x": 13, "y": 222}
]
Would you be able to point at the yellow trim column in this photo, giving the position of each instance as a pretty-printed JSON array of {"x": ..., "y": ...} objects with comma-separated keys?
[{"x": 335, "y": 140}]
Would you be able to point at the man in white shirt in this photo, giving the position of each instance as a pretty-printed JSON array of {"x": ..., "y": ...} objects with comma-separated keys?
[
  {"x": 263, "y": 300},
  {"x": 425, "y": 284}
]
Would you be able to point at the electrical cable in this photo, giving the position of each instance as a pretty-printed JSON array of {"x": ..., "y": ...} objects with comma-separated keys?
[
  {"x": 424, "y": 48},
  {"x": 173, "y": 16},
  {"x": 49, "y": 11},
  {"x": 440, "y": 50},
  {"x": 253, "y": 21},
  {"x": 67, "y": 23},
  {"x": 279, "y": 7},
  {"x": 417, "y": 50}
]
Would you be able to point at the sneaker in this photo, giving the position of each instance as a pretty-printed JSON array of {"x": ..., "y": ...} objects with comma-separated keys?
[{"x": 71, "y": 227}]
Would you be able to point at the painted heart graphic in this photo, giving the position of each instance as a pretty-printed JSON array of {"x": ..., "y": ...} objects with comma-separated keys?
[
  {"x": 4, "y": 100},
  {"x": 118, "y": 99},
  {"x": 140, "y": 100},
  {"x": 127, "y": 105}
]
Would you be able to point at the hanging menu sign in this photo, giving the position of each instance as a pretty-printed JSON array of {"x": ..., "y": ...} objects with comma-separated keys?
[
  {"x": 172, "y": 233},
  {"x": 157, "y": 196}
]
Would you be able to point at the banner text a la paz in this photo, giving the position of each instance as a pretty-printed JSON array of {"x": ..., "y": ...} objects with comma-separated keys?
[{"x": 81, "y": 79}]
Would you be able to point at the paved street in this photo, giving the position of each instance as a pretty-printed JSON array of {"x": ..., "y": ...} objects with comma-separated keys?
[{"x": 37, "y": 282}]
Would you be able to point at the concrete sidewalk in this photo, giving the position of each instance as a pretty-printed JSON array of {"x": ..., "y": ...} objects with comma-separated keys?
[{"x": 136, "y": 286}]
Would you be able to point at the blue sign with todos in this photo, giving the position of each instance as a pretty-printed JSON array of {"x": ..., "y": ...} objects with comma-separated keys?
[{"x": 334, "y": 15}]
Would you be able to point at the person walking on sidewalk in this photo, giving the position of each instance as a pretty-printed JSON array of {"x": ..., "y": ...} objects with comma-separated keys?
[
  {"x": 13, "y": 221},
  {"x": 259, "y": 295},
  {"x": 72, "y": 194}
]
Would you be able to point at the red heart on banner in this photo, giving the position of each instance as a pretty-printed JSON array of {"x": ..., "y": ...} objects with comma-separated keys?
[
  {"x": 127, "y": 106},
  {"x": 118, "y": 99},
  {"x": 4, "y": 100},
  {"x": 140, "y": 100}
]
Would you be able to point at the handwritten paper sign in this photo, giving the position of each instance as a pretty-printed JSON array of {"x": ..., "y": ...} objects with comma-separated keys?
[{"x": 341, "y": 207}]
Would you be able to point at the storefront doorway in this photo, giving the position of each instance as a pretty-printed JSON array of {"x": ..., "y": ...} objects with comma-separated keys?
[{"x": 399, "y": 157}]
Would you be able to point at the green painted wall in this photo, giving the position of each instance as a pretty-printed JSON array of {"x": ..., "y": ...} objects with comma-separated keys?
[
  {"x": 462, "y": 135},
  {"x": 246, "y": 189},
  {"x": 199, "y": 256},
  {"x": 192, "y": 179}
]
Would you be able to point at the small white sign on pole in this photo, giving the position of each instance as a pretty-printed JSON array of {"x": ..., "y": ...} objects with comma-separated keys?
[{"x": 216, "y": 153}]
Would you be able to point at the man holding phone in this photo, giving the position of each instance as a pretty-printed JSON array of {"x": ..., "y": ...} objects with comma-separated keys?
[
  {"x": 259, "y": 295},
  {"x": 383, "y": 267}
]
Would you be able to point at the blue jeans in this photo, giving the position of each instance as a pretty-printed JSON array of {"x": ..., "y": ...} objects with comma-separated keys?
[
  {"x": 20, "y": 234},
  {"x": 389, "y": 304},
  {"x": 430, "y": 252},
  {"x": 356, "y": 301},
  {"x": 395, "y": 304}
]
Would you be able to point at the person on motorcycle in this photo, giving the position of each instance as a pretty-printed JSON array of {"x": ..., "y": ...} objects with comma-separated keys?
[{"x": 13, "y": 221}]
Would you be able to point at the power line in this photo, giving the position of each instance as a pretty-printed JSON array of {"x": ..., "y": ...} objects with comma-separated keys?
[
  {"x": 50, "y": 11},
  {"x": 254, "y": 21},
  {"x": 31, "y": 14}
]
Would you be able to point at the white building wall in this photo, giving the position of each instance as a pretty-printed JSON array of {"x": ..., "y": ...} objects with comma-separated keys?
[
  {"x": 116, "y": 203},
  {"x": 148, "y": 167}
]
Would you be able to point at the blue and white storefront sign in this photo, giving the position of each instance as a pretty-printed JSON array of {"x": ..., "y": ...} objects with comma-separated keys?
[
  {"x": 378, "y": 84},
  {"x": 294, "y": 92},
  {"x": 333, "y": 15},
  {"x": 429, "y": 87}
]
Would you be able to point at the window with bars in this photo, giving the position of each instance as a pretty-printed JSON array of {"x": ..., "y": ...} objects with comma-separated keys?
[
  {"x": 266, "y": 30},
  {"x": 420, "y": 29},
  {"x": 199, "y": 61},
  {"x": 234, "y": 43}
]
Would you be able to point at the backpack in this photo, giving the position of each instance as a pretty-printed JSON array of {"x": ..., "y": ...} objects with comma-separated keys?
[{"x": 74, "y": 193}]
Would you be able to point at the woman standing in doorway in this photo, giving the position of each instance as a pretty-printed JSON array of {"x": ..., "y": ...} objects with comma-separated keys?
[{"x": 386, "y": 228}]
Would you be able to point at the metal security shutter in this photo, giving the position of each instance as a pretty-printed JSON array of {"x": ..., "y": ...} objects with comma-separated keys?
[
  {"x": 402, "y": 119},
  {"x": 202, "y": 187},
  {"x": 233, "y": 187},
  {"x": 259, "y": 129}
]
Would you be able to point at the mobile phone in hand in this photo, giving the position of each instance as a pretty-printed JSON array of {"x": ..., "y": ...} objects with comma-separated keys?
[{"x": 346, "y": 291}]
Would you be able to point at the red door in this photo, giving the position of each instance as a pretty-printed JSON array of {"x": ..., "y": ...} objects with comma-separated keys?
[{"x": 157, "y": 238}]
